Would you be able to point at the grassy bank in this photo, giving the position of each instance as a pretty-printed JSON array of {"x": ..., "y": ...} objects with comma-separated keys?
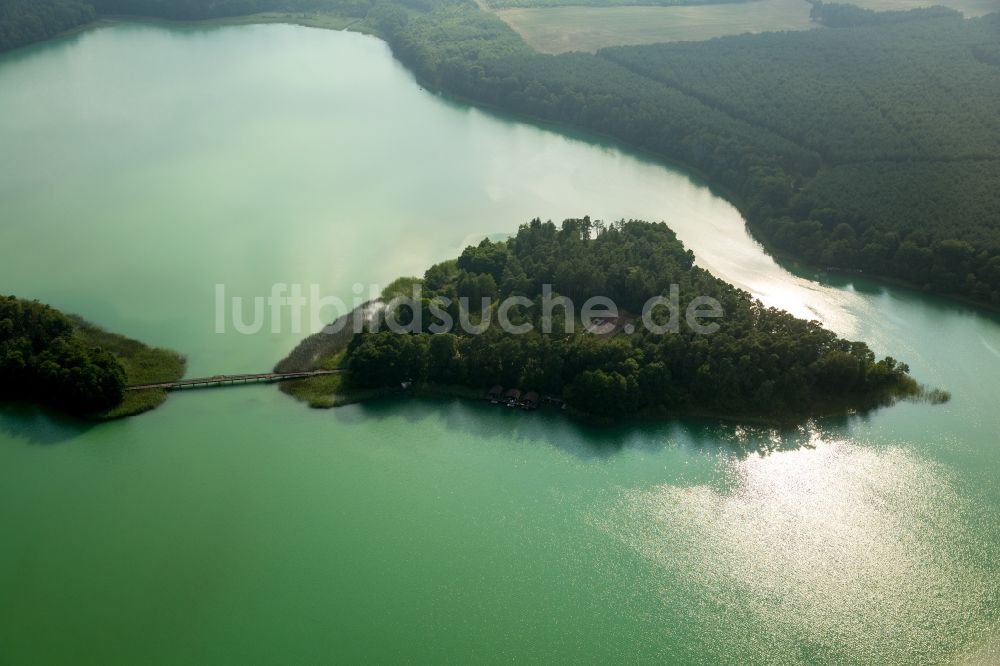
[
  {"x": 143, "y": 365},
  {"x": 327, "y": 391}
]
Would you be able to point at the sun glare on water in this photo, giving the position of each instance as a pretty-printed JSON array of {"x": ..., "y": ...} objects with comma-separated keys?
[{"x": 832, "y": 551}]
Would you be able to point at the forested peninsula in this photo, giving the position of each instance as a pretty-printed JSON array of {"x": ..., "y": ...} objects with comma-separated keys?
[
  {"x": 760, "y": 363},
  {"x": 64, "y": 362}
]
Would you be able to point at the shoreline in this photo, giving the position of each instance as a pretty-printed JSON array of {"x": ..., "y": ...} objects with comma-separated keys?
[
  {"x": 142, "y": 364},
  {"x": 431, "y": 391},
  {"x": 358, "y": 25},
  {"x": 782, "y": 258}
]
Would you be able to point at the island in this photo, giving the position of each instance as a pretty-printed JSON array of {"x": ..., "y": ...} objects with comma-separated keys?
[
  {"x": 562, "y": 313},
  {"x": 64, "y": 362}
]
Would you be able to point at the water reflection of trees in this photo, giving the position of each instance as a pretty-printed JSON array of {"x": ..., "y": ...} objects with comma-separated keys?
[{"x": 551, "y": 426}]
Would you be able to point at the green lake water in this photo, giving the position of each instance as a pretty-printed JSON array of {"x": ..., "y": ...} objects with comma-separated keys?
[{"x": 142, "y": 166}]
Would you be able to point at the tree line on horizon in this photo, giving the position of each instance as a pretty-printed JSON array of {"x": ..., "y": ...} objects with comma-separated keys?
[
  {"x": 843, "y": 15},
  {"x": 24, "y": 22}
]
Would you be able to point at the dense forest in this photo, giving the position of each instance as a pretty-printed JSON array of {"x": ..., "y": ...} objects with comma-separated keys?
[
  {"x": 837, "y": 15},
  {"x": 811, "y": 133},
  {"x": 203, "y": 9},
  {"x": 904, "y": 118},
  {"x": 760, "y": 362},
  {"x": 26, "y": 21},
  {"x": 66, "y": 362},
  {"x": 906, "y": 91},
  {"x": 43, "y": 359}
]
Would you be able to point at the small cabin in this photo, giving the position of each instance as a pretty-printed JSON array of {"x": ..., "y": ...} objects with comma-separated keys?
[
  {"x": 530, "y": 400},
  {"x": 512, "y": 397},
  {"x": 495, "y": 394}
]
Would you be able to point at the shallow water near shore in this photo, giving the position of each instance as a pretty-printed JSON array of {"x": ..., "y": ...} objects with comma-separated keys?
[{"x": 145, "y": 165}]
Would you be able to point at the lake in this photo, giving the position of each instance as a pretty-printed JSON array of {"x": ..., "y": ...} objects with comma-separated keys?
[{"x": 144, "y": 165}]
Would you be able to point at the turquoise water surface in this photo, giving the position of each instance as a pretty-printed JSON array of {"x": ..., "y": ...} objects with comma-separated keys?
[{"x": 145, "y": 165}]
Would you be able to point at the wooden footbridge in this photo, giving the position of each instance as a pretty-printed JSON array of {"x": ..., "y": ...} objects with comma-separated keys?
[{"x": 229, "y": 380}]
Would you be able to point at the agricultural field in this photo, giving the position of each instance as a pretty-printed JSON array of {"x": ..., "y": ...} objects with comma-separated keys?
[
  {"x": 551, "y": 29},
  {"x": 562, "y": 29}
]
